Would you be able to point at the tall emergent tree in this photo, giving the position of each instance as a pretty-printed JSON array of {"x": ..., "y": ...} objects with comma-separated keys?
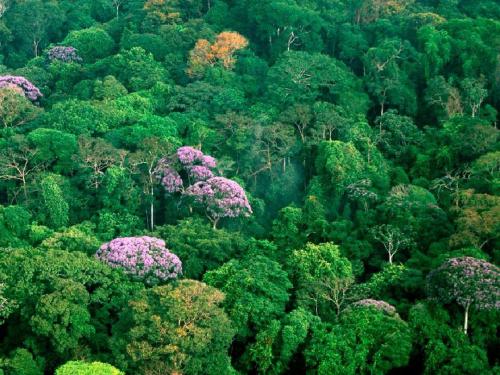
[{"x": 468, "y": 281}]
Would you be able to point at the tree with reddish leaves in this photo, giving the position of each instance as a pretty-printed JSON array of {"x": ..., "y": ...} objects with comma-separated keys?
[
  {"x": 469, "y": 282},
  {"x": 220, "y": 52}
]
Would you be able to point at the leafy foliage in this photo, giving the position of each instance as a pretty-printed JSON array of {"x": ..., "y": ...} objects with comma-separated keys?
[{"x": 330, "y": 169}]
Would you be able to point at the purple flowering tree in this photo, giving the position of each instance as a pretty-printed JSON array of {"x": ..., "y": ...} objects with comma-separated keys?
[
  {"x": 186, "y": 167},
  {"x": 221, "y": 197},
  {"x": 376, "y": 304},
  {"x": 468, "y": 281},
  {"x": 145, "y": 258},
  {"x": 64, "y": 53},
  {"x": 22, "y": 85},
  {"x": 190, "y": 173}
]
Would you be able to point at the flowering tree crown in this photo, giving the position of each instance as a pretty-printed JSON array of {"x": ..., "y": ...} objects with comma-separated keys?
[
  {"x": 145, "y": 258},
  {"x": 220, "y": 196},
  {"x": 64, "y": 54},
  {"x": 467, "y": 281},
  {"x": 377, "y": 304},
  {"x": 20, "y": 83}
]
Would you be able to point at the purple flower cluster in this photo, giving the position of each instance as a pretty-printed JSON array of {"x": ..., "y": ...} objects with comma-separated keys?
[
  {"x": 145, "y": 257},
  {"x": 208, "y": 161},
  {"x": 28, "y": 89},
  {"x": 189, "y": 160},
  {"x": 377, "y": 304},
  {"x": 189, "y": 155},
  {"x": 170, "y": 179},
  {"x": 467, "y": 281},
  {"x": 221, "y": 196},
  {"x": 200, "y": 173},
  {"x": 64, "y": 54}
]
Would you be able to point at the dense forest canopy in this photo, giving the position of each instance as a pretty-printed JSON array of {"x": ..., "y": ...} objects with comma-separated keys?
[{"x": 249, "y": 187}]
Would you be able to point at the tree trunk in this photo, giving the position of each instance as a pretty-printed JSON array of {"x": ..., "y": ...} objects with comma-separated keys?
[
  {"x": 466, "y": 318},
  {"x": 151, "y": 210}
]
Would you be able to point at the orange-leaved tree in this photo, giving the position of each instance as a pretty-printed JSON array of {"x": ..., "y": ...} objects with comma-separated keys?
[{"x": 220, "y": 52}]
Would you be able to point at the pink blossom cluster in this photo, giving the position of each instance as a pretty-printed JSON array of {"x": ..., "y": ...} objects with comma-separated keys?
[
  {"x": 200, "y": 173},
  {"x": 208, "y": 161},
  {"x": 146, "y": 258},
  {"x": 377, "y": 304},
  {"x": 64, "y": 54},
  {"x": 30, "y": 90},
  {"x": 221, "y": 196},
  {"x": 189, "y": 155},
  {"x": 192, "y": 163},
  {"x": 169, "y": 177},
  {"x": 467, "y": 281}
]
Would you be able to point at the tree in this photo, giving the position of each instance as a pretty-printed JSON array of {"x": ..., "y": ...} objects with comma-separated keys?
[
  {"x": 391, "y": 238},
  {"x": 87, "y": 368},
  {"x": 18, "y": 164},
  {"x": 85, "y": 41},
  {"x": 55, "y": 208},
  {"x": 55, "y": 149},
  {"x": 20, "y": 361},
  {"x": 65, "y": 54},
  {"x": 340, "y": 163},
  {"x": 256, "y": 290},
  {"x": 34, "y": 23},
  {"x": 136, "y": 69},
  {"x": 62, "y": 301},
  {"x": 21, "y": 85},
  {"x": 96, "y": 155},
  {"x": 386, "y": 80},
  {"x": 300, "y": 77},
  {"x": 80, "y": 237},
  {"x": 367, "y": 11},
  {"x": 445, "y": 350},
  {"x": 15, "y": 109},
  {"x": 145, "y": 162},
  {"x": 300, "y": 117},
  {"x": 437, "y": 49},
  {"x": 221, "y": 197},
  {"x": 220, "y": 52},
  {"x": 288, "y": 228},
  {"x": 440, "y": 93},
  {"x": 474, "y": 94},
  {"x": 188, "y": 161},
  {"x": 467, "y": 281},
  {"x": 68, "y": 302},
  {"x": 323, "y": 277},
  {"x": 369, "y": 338},
  {"x": 200, "y": 247},
  {"x": 145, "y": 258},
  {"x": 477, "y": 221},
  {"x": 117, "y": 4},
  {"x": 174, "y": 329},
  {"x": 396, "y": 133},
  {"x": 14, "y": 225},
  {"x": 330, "y": 120},
  {"x": 162, "y": 11}
]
